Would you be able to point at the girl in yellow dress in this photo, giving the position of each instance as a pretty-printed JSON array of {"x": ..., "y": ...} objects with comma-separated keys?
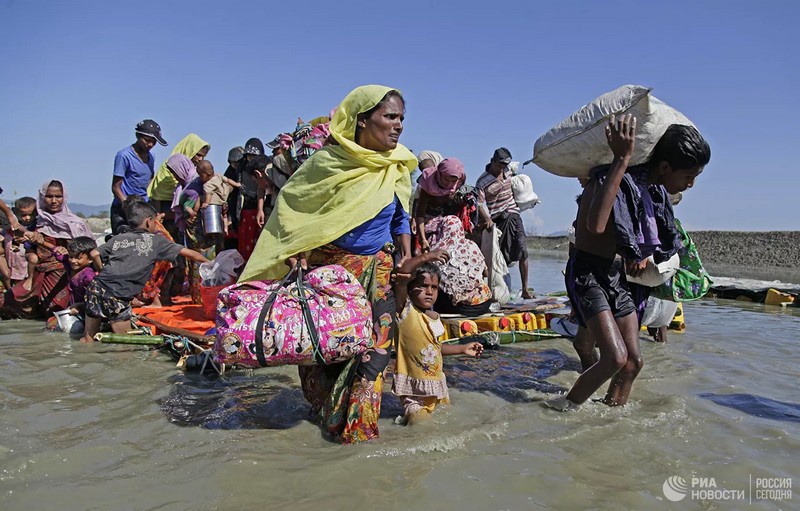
[{"x": 419, "y": 381}]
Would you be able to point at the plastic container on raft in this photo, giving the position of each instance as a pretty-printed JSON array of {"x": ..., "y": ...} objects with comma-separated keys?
[
  {"x": 495, "y": 324},
  {"x": 524, "y": 321},
  {"x": 212, "y": 220},
  {"x": 208, "y": 295},
  {"x": 460, "y": 327},
  {"x": 541, "y": 321},
  {"x": 775, "y": 297}
]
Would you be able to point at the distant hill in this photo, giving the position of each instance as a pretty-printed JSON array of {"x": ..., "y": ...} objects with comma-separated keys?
[
  {"x": 87, "y": 209},
  {"x": 557, "y": 234}
]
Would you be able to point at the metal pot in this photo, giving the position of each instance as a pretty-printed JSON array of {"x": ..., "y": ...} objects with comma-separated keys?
[{"x": 212, "y": 220}]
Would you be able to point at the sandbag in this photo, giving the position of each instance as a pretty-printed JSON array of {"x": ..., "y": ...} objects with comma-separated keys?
[
  {"x": 578, "y": 143},
  {"x": 317, "y": 318}
]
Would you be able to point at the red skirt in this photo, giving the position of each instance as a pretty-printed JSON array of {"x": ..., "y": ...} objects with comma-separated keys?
[{"x": 248, "y": 232}]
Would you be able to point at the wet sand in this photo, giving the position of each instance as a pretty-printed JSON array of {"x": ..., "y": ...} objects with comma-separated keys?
[{"x": 772, "y": 255}]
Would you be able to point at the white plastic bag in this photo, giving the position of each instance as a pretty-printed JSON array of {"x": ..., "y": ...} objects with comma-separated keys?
[
  {"x": 498, "y": 269},
  {"x": 522, "y": 188},
  {"x": 578, "y": 143},
  {"x": 658, "y": 312},
  {"x": 222, "y": 271}
]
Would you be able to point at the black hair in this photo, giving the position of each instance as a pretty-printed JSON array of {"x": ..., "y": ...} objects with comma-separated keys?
[
  {"x": 425, "y": 269},
  {"x": 258, "y": 162},
  {"x": 130, "y": 200},
  {"x": 24, "y": 202},
  {"x": 683, "y": 147},
  {"x": 55, "y": 183},
  {"x": 133, "y": 199},
  {"x": 366, "y": 115},
  {"x": 137, "y": 212},
  {"x": 81, "y": 245}
]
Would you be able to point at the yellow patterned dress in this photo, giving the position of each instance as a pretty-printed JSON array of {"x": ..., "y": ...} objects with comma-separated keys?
[{"x": 419, "y": 381}]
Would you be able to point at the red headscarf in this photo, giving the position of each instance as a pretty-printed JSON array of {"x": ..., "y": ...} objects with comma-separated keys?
[{"x": 448, "y": 167}]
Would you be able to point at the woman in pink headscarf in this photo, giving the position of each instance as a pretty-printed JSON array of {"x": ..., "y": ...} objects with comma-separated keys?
[
  {"x": 46, "y": 290},
  {"x": 185, "y": 173},
  {"x": 446, "y": 212}
]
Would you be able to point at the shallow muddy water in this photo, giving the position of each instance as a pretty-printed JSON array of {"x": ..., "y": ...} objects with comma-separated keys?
[{"x": 109, "y": 427}]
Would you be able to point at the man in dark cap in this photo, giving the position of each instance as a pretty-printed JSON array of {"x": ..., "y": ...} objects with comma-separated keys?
[
  {"x": 234, "y": 172},
  {"x": 494, "y": 188},
  {"x": 249, "y": 198},
  {"x": 133, "y": 169}
]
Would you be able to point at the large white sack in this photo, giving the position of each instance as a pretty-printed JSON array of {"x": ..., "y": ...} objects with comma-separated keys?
[{"x": 578, "y": 143}]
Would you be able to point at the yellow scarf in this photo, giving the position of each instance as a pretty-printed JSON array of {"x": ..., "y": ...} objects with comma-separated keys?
[
  {"x": 163, "y": 184},
  {"x": 333, "y": 192}
]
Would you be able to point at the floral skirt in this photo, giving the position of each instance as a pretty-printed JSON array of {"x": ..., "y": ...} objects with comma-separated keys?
[
  {"x": 464, "y": 275},
  {"x": 346, "y": 398}
]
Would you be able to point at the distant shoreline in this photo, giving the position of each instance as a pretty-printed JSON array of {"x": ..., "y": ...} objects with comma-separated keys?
[{"x": 770, "y": 255}]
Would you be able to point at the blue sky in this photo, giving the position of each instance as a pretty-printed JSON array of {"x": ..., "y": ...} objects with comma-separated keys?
[{"x": 77, "y": 76}]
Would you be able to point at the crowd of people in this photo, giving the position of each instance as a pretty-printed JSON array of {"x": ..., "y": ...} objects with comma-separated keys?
[{"x": 339, "y": 190}]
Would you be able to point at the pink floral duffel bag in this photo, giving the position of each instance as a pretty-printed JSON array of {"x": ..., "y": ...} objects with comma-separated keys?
[{"x": 319, "y": 317}]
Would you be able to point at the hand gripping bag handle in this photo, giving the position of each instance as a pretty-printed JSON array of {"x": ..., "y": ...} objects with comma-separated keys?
[
  {"x": 306, "y": 311},
  {"x": 308, "y": 319}
]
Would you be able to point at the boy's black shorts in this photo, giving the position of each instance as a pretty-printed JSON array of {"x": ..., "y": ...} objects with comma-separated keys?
[{"x": 596, "y": 284}]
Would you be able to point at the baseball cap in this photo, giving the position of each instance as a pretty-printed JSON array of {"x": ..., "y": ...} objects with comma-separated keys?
[
  {"x": 502, "y": 155},
  {"x": 254, "y": 146},
  {"x": 150, "y": 128},
  {"x": 275, "y": 142}
]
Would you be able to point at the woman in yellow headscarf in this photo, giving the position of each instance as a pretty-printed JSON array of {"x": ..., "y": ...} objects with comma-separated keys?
[
  {"x": 161, "y": 191},
  {"x": 348, "y": 204},
  {"x": 162, "y": 187}
]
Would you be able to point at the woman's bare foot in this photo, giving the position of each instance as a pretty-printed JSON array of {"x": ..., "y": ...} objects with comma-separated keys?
[
  {"x": 562, "y": 404},
  {"x": 137, "y": 303},
  {"x": 526, "y": 294}
]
